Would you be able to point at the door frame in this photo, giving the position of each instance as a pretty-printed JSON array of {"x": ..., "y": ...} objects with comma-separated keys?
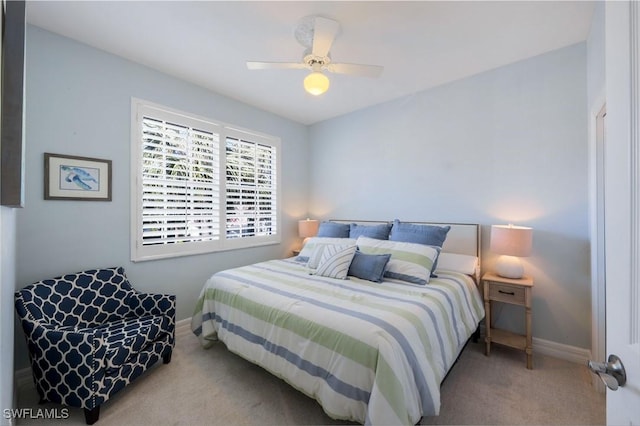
[{"x": 598, "y": 285}]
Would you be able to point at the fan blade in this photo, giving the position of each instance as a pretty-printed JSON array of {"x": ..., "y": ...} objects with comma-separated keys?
[
  {"x": 324, "y": 31},
  {"x": 275, "y": 65},
  {"x": 372, "y": 71}
]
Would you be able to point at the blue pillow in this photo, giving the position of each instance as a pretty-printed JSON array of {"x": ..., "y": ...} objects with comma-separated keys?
[
  {"x": 369, "y": 267},
  {"x": 333, "y": 230},
  {"x": 430, "y": 235},
  {"x": 379, "y": 232}
]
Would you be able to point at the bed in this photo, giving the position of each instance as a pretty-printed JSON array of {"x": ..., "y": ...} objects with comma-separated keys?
[{"x": 370, "y": 352}]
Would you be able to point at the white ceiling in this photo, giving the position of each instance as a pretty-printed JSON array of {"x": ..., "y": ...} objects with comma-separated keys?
[{"x": 421, "y": 44}]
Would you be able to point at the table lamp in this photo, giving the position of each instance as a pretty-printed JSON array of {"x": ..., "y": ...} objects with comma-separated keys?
[
  {"x": 510, "y": 242},
  {"x": 307, "y": 228}
]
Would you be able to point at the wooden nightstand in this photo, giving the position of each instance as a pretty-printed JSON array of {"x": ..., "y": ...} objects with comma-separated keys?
[{"x": 514, "y": 291}]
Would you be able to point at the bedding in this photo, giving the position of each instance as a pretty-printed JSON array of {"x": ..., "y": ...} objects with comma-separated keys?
[
  {"x": 369, "y": 267},
  {"x": 457, "y": 262},
  {"x": 333, "y": 230},
  {"x": 379, "y": 232},
  {"x": 312, "y": 244},
  {"x": 422, "y": 234},
  {"x": 369, "y": 352},
  {"x": 335, "y": 261},
  {"x": 409, "y": 262}
]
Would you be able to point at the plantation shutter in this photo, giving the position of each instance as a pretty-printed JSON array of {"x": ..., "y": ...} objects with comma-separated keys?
[
  {"x": 199, "y": 186},
  {"x": 251, "y": 188},
  {"x": 180, "y": 183}
]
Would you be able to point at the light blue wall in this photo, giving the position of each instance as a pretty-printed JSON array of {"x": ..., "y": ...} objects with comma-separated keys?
[
  {"x": 508, "y": 145},
  {"x": 78, "y": 103}
]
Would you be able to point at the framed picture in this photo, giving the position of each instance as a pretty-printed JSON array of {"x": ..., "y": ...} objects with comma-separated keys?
[{"x": 68, "y": 177}]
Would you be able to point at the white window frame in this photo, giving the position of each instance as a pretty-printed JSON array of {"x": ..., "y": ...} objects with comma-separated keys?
[{"x": 141, "y": 252}]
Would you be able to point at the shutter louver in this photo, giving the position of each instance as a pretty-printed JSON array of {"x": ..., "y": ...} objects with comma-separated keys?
[
  {"x": 251, "y": 190},
  {"x": 180, "y": 181}
]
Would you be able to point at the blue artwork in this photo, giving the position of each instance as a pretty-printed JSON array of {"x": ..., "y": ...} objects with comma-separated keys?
[{"x": 79, "y": 178}]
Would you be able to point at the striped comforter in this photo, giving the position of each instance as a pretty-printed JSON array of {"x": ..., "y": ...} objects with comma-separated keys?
[{"x": 370, "y": 352}]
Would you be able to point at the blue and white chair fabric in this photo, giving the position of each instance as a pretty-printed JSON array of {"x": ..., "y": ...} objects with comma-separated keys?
[{"x": 90, "y": 334}]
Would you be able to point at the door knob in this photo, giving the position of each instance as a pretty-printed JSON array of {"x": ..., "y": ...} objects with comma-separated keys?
[{"x": 611, "y": 373}]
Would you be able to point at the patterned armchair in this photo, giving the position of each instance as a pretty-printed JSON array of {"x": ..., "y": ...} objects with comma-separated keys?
[{"x": 90, "y": 334}]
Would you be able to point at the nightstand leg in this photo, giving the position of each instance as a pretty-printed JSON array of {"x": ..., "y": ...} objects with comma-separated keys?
[
  {"x": 529, "y": 348},
  {"x": 487, "y": 325}
]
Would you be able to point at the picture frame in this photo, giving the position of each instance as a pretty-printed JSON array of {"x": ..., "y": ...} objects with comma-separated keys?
[{"x": 69, "y": 177}]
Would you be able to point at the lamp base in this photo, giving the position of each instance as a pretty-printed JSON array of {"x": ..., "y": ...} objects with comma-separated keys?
[{"x": 509, "y": 267}]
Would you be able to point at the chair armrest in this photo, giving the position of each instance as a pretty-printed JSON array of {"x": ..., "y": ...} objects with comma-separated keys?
[
  {"x": 83, "y": 348},
  {"x": 153, "y": 304},
  {"x": 81, "y": 352},
  {"x": 143, "y": 304}
]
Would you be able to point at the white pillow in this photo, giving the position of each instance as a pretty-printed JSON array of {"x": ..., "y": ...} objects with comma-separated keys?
[
  {"x": 313, "y": 242},
  {"x": 409, "y": 261},
  {"x": 335, "y": 260},
  {"x": 462, "y": 263}
]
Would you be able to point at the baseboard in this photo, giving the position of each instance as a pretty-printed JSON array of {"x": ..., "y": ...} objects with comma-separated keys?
[
  {"x": 561, "y": 351},
  {"x": 556, "y": 350},
  {"x": 183, "y": 327}
]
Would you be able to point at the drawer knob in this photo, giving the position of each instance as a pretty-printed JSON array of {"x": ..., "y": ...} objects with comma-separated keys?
[{"x": 510, "y": 293}]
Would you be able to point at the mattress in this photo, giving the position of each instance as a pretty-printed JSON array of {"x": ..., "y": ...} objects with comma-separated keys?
[{"x": 373, "y": 353}]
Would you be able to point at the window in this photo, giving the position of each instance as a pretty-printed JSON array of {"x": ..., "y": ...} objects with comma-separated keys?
[{"x": 199, "y": 186}]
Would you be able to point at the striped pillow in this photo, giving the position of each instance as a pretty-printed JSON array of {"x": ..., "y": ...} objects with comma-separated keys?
[
  {"x": 409, "y": 261},
  {"x": 314, "y": 242},
  {"x": 335, "y": 261}
]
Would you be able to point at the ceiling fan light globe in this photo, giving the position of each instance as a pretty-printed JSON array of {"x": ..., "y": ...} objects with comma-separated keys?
[{"x": 316, "y": 83}]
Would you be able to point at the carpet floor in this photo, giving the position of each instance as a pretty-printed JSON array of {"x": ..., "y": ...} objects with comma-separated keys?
[{"x": 216, "y": 387}]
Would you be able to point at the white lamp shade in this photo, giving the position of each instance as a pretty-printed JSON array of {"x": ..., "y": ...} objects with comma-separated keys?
[
  {"x": 511, "y": 240},
  {"x": 316, "y": 83},
  {"x": 308, "y": 228}
]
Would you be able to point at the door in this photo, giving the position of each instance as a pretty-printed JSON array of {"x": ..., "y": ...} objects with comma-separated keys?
[{"x": 622, "y": 205}]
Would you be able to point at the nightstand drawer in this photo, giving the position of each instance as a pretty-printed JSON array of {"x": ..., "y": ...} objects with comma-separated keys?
[{"x": 507, "y": 293}]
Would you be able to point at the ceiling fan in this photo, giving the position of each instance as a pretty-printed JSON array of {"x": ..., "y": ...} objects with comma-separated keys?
[{"x": 317, "y": 34}]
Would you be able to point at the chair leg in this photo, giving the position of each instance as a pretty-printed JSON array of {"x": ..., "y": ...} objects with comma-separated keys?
[
  {"x": 167, "y": 358},
  {"x": 91, "y": 416}
]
